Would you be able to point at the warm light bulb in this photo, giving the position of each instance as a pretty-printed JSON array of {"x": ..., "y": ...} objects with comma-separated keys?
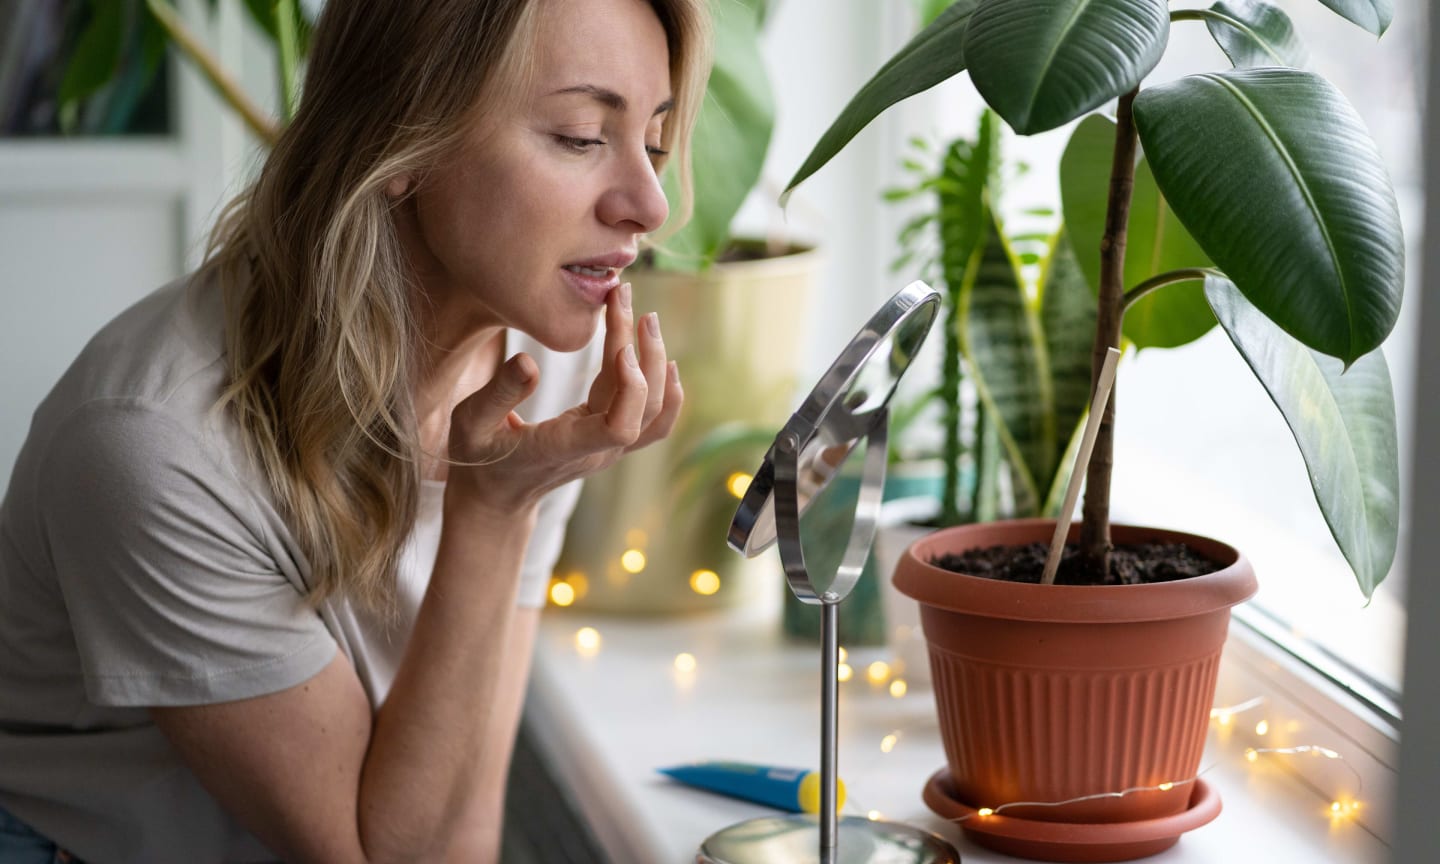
[
  {"x": 898, "y": 687},
  {"x": 985, "y": 811},
  {"x": 888, "y": 742},
  {"x": 737, "y": 483},
  {"x": 844, "y": 655},
  {"x": 1336, "y": 808},
  {"x": 705, "y": 582},
  {"x": 873, "y": 815},
  {"x": 580, "y": 583},
  {"x": 878, "y": 672},
  {"x": 587, "y": 641},
  {"x": 1262, "y": 727},
  {"x": 1251, "y": 755},
  {"x": 633, "y": 560},
  {"x": 844, "y": 673},
  {"x": 685, "y": 662},
  {"x": 1165, "y": 787},
  {"x": 561, "y": 593}
]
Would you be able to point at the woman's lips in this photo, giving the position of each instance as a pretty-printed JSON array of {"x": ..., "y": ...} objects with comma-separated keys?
[{"x": 592, "y": 283}]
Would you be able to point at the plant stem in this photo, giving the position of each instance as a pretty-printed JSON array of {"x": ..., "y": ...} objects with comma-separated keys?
[
  {"x": 191, "y": 46},
  {"x": 950, "y": 379},
  {"x": 1095, "y": 535},
  {"x": 1187, "y": 274},
  {"x": 287, "y": 54}
]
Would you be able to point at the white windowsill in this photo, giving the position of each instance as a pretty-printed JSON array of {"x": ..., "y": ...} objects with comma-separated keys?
[{"x": 607, "y": 721}]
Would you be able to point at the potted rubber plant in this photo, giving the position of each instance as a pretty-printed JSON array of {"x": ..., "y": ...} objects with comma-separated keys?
[
  {"x": 648, "y": 535},
  {"x": 1268, "y": 209}
]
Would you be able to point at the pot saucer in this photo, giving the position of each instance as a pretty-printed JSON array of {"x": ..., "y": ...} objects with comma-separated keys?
[{"x": 1072, "y": 841}]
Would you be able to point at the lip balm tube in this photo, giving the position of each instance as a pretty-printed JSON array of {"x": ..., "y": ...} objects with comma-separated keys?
[{"x": 792, "y": 789}]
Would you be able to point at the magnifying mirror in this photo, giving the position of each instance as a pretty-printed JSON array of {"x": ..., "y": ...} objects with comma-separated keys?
[{"x": 847, "y": 412}]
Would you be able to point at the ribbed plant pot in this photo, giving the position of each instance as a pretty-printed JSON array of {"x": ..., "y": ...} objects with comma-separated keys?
[{"x": 1049, "y": 693}]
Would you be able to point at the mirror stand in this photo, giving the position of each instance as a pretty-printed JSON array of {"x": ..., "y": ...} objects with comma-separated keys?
[{"x": 825, "y": 838}]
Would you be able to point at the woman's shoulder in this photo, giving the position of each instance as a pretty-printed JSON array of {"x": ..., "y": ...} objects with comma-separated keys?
[
  {"x": 154, "y": 373},
  {"x": 164, "y": 352}
]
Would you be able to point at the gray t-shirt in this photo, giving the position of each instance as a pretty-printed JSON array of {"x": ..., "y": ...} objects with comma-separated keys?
[{"x": 143, "y": 562}]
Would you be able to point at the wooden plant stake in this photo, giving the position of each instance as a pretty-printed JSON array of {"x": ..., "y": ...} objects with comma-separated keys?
[{"x": 1082, "y": 459}]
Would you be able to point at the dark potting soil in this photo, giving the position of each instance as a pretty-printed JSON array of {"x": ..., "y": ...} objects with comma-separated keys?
[{"x": 1129, "y": 564}]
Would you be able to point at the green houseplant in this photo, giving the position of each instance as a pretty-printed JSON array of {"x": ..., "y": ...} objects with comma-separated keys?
[
  {"x": 648, "y": 535},
  {"x": 122, "y": 41},
  {"x": 1268, "y": 210}
]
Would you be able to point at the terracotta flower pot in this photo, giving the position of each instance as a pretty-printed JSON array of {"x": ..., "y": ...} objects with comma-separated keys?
[{"x": 1048, "y": 693}]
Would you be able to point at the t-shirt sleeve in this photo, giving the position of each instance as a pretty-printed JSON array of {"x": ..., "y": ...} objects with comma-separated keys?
[{"x": 168, "y": 570}]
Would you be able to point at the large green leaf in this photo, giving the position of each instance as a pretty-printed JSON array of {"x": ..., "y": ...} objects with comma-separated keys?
[
  {"x": 1373, "y": 15},
  {"x": 999, "y": 335},
  {"x": 1343, "y": 423},
  {"x": 1067, "y": 320},
  {"x": 732, "y": 135},
  {"x": 97, "y": 53},
  {"x": 1274, "y": 175},
  {"x": 1042, "y": 63},
  {"x": 1156, "y": 242},
  {"x": 931, "y": 57},
  {"x": 1254, "y": 33}
]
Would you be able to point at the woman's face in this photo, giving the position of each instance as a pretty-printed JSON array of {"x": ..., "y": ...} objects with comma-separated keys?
[{"x": 529, "y": 224}]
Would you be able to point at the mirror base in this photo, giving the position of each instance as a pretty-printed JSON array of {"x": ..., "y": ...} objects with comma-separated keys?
[{"x": 796, "y": 840}]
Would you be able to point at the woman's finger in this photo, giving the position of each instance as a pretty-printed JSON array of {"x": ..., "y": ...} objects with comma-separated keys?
[
  {"x": 481, "y": 414},
  {"x": 652, "y": 364},
  {"x": 619, "y": 332},
  {"x": 625, "y": 414},
  {"x": 664, "y": 422}
]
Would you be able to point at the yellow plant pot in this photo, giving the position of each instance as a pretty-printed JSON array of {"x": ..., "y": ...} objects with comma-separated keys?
[{"x": 648, "y": 536}]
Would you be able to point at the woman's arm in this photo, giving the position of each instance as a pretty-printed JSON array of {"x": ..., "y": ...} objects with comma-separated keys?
[
  {"x": 477, "y": 838},
  {"x": 307, "y": 770}
]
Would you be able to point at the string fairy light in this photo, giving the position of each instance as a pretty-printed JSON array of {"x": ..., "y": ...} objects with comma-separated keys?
[
  {"x": 587, "y": 641},
  {"x": 1339, "y": 808},
  {"x": 1226, "y": 715}
]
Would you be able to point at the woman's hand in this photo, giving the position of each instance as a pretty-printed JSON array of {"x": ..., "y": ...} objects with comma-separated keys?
[{"x": 502, "y": 462}]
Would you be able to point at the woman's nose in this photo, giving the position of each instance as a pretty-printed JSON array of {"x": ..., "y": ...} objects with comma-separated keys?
[{"x": 635, "y": 200}]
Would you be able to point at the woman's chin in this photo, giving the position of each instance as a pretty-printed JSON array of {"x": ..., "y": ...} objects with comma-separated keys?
[{"x": 568, "y": 338}]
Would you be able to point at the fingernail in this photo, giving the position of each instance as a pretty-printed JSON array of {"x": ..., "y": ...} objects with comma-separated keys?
[
  {"x": 652, "y": 325},
  {"x": 625, "y": 296},
  {"x": 627, "y": 356}
]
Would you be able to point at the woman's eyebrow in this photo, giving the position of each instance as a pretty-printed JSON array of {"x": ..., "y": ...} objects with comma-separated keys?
[{"x": 609, "y": 98}]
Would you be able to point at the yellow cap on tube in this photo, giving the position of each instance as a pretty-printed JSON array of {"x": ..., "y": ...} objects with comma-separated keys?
[{"x": 809, "y": 793}]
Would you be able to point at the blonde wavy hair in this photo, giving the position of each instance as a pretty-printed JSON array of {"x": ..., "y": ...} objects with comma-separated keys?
[{"x": 321, "y": 345}]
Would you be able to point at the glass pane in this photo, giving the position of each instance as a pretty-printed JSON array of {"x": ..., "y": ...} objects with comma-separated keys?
[{"x": 77, "y": 68}]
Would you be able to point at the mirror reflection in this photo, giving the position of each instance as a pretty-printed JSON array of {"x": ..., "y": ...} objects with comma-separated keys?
[{"x": 838, "y": 414}]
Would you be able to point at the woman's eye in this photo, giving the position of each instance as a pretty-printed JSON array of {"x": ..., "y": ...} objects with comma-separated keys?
[{"x": 579, "y": 145}]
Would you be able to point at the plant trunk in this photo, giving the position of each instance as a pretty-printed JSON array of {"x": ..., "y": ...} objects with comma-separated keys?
[
  {"x": 1095, "y": 533},
  {"x": 950, "y": 385}
]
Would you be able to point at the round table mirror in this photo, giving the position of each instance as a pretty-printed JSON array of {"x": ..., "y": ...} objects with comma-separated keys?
[{"x": 845, "y": 418}]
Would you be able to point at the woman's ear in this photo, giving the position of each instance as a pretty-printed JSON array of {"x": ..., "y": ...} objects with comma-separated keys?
[{"x": 399, "y": 186}]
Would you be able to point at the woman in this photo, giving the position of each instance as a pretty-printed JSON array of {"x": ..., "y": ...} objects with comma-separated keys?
[{"x": 271, "y": 556}]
